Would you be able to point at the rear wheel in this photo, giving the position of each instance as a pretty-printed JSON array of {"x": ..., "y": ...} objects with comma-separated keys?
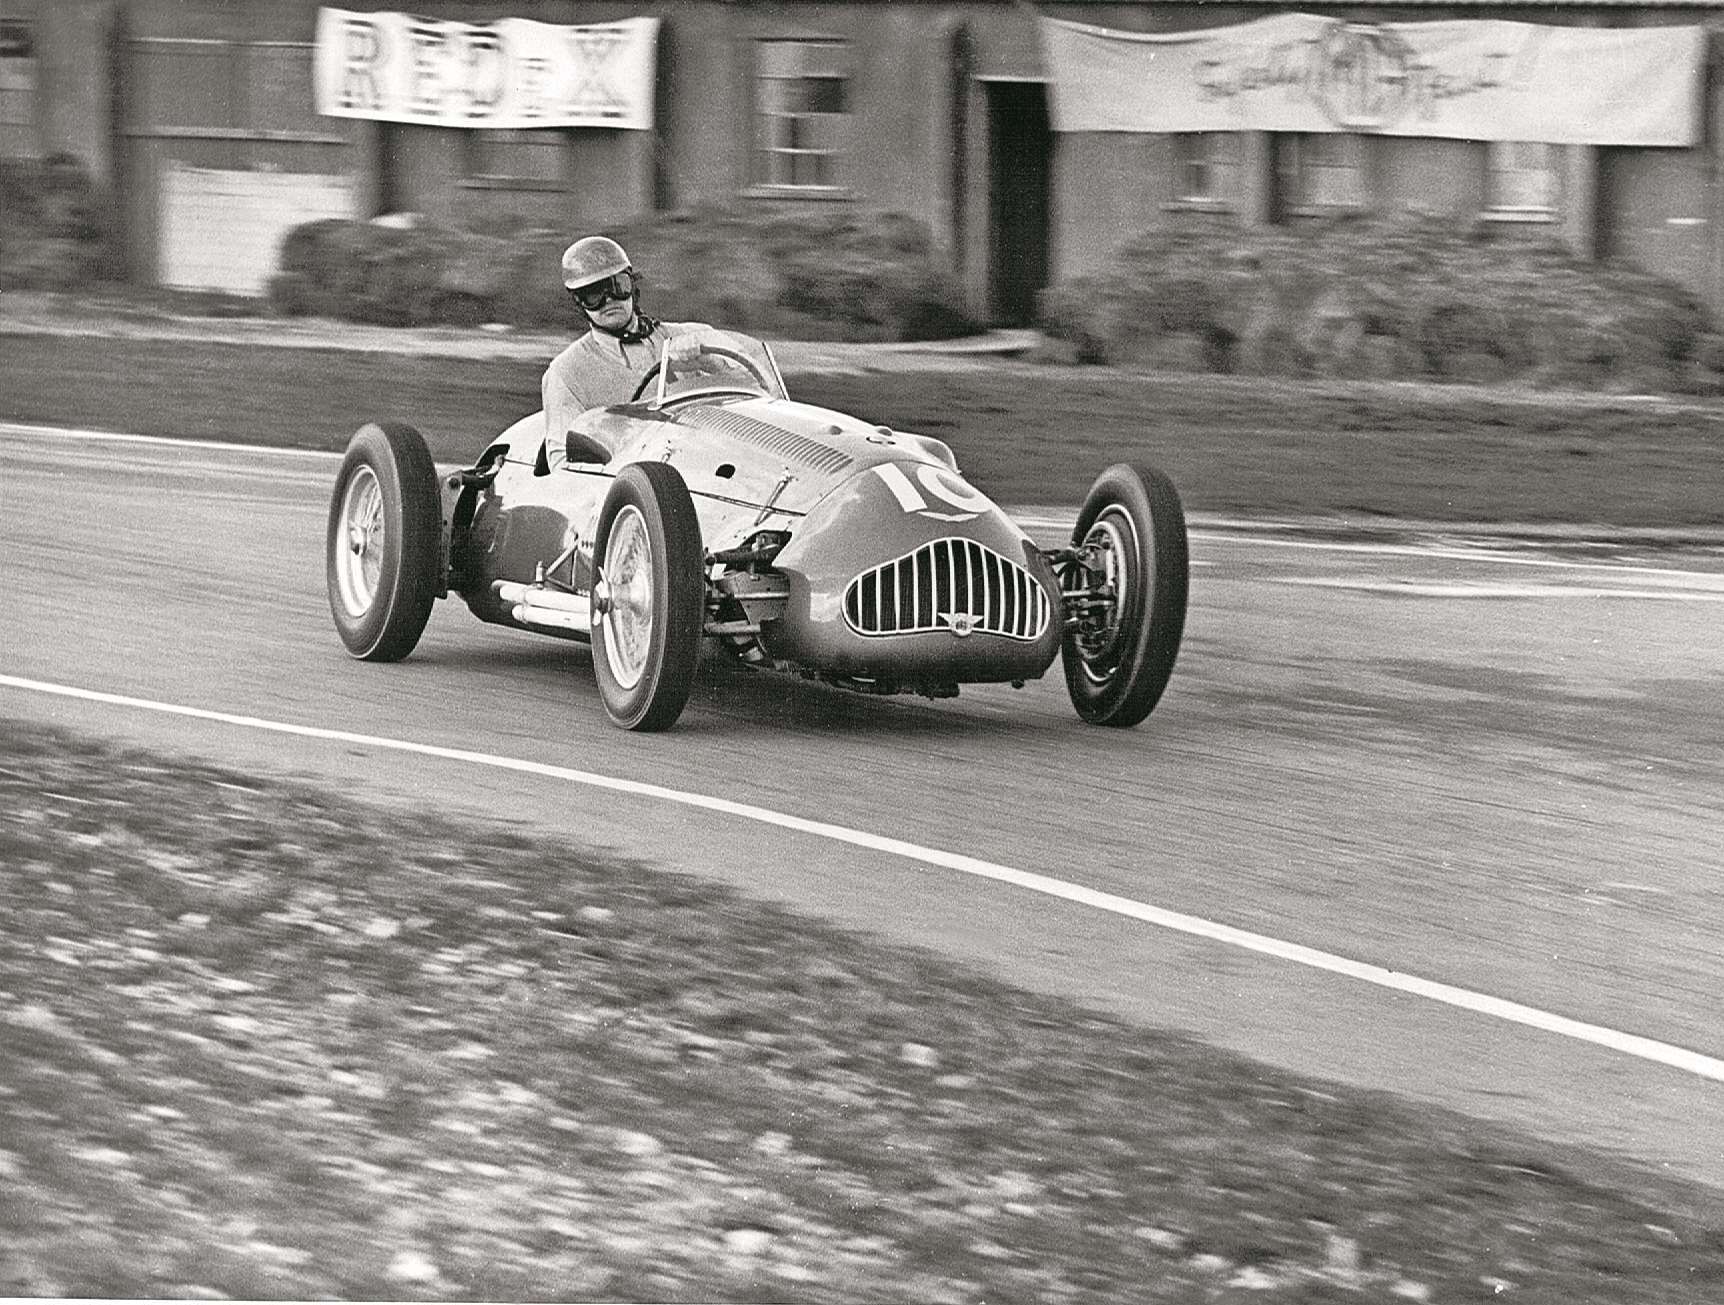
[
  {"x": 649, "y": 601},
  {"x": 1125, "y": 598},
  {"x": 382, "y": 542}
]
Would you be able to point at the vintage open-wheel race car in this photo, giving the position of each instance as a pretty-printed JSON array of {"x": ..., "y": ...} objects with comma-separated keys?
[{"x": 712, "y": 510}]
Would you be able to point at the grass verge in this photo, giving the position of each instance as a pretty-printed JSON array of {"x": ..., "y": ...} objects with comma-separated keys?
[
  {"x": 261, "y": 1042},
  {"x": 1026, "y": 434}
]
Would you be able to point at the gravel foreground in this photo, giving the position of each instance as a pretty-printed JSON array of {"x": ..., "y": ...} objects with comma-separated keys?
[{"x": 261, "y": 1042}]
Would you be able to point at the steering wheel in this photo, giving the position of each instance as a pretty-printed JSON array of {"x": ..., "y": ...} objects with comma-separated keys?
[{"x": 713, "y": 350}]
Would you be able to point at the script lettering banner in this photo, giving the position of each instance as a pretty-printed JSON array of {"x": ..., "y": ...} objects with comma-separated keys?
[
  {"x": 1483, "y": 79},
  {"x": 513, "y": 72}
]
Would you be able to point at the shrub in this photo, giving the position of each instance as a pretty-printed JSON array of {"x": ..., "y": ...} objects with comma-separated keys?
[
  {"x": 55, "y": 225},
  {"x": 830, "y": 276},
  {"x": 389, "y": 275},
  {"x": 1362, "y": 297}
]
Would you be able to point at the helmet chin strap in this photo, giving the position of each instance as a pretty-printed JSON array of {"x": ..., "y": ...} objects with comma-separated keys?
[{"x": 640, "y": 326}]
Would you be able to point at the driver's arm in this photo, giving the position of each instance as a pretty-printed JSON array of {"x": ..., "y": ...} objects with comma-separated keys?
[
  {"x": 687, "y": 338},
  {"x": 561, "y": 404}
]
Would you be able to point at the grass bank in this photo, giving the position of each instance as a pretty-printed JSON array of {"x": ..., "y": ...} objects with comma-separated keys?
[
  {"x": 1025, "y": 433},
  {"x": 261, "y": 1042}
]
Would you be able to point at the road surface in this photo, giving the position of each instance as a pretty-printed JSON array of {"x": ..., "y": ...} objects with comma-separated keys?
[{"x": 1491, "y": 769}]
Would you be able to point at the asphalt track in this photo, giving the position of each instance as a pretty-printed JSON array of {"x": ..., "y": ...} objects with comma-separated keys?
[{"x": 1476, "y": 769}]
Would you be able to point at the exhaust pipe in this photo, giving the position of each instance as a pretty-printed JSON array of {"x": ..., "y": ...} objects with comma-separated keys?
[{"x": 550, "y": 608}]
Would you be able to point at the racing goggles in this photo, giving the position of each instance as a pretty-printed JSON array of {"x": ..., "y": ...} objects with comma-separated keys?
[{"x": 597, "y": 294}]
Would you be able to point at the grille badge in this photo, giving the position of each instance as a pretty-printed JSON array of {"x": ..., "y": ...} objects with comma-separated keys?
[{"x": 962, "y": 623}]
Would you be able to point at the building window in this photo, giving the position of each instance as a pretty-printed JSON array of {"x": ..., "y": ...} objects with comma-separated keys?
[
  {"x": 1320, "y": 170},
  {"x": 1523, "y": 178},
  {"x": 1206, "y": 167},
  {"x": 802, "y": 112},
  {"x": 522, "y": 158},
  {"x": 17, "y": 77}
]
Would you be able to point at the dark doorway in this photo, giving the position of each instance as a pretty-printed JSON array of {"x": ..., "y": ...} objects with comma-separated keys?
[
  {"x": 386, "y": 168},
  {"x": 1020, "y": 152}
]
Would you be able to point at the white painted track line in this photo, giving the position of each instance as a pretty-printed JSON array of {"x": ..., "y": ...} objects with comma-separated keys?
[
  {"x": 1680, "y": 1058},
  {"x": 28, "y": 431},
  {"x": 1481, "y": 589}
]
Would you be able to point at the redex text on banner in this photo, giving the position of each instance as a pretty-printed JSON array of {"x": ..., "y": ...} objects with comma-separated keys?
[{"x": 510, "y": 73}]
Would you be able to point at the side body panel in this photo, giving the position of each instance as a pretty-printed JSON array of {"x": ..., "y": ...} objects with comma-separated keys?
[{"x": 979, "y": 603}]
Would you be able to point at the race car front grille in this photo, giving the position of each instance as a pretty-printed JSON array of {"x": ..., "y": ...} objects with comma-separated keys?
[{"x": 956, "y": 585}]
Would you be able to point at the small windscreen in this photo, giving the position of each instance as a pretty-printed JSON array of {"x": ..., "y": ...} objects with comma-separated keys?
[{"x": 725, "y": 361}]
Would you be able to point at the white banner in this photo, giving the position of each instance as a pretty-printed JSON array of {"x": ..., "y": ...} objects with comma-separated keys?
[
  {"x": 1466, "y": 79},
  {"x": 513, "y": 72}
]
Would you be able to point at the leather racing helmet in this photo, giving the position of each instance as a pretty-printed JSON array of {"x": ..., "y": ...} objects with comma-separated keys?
[{"x": 592, "y": 258}]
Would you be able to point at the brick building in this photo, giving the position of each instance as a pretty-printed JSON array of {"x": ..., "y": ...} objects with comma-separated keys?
[{"x": 1026, "y": 163}]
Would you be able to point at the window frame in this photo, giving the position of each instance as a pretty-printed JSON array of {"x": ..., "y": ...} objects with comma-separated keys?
[
  {"x": 1218, "y": 157},
  {"x": 481, "y": 146},
  {"x": 833, "y": 61},
  {"x": 1502, "y": 159},
  {"x": 20, "y": 77},
  {"x": 1295, "y": 173},
  {"x": 249, "y": 98}
]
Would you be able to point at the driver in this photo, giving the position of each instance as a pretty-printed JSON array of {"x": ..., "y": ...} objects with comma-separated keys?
[{"x": 607, "y": 364}]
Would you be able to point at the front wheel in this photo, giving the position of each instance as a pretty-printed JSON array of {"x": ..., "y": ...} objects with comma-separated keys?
[
  {"x": 1124, "y": 595},
  {"x": 649, "y": 600},
  {"x": 382, "y": 542}
]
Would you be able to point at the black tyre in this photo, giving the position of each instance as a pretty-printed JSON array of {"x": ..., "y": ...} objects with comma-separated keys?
[
  {"x": 383, "y": 541},
  {"x": 1119, "y": 652},
  {"x": 649, "y": 602}
]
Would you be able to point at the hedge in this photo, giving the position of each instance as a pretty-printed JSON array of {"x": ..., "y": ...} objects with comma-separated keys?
[
  {"x": 839, "y": 276},
  {"x": 1374, "y": 298},
  {"x": 55, "y": 225}
]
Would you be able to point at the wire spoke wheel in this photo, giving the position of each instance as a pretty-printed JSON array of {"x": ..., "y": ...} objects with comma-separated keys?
[
  {"x": 1102, "y": 638},
  {"x": 628, "y": 615},
  {"x": 383, "y": 542},
  {"x": 359, "y": 566},
  {"x": 649, "y": 604},
  {"x": 1125, "y": 596}
]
